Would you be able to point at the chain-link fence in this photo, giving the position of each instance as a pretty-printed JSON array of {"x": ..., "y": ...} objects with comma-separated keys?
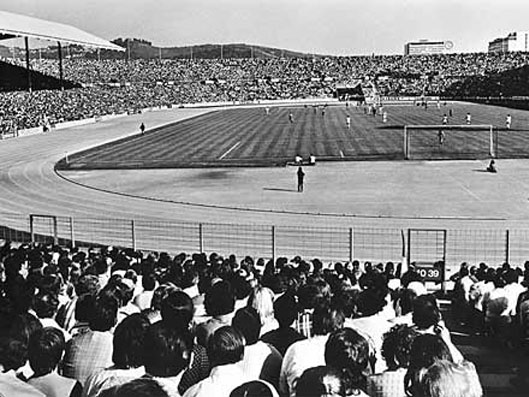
[{"x": 492, "y": 246}]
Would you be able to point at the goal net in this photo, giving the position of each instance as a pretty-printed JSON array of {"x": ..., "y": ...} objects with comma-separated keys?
[{"x": 449, "y": 142}]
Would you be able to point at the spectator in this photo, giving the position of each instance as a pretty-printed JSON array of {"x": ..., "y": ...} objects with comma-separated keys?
[
  {"x": 447, "y": 379},
  {"x": 321, "y": 381},
  {"x": 91, "y": 351},
  {"x": 225, "y": 351},
  {"x": 167, "y": 353},
  {"x": 261, "y": 361},
  {"x": 45, "y": 351},
  {"x": 127, "y": 355},
  {"x": 285, "y": 312}
]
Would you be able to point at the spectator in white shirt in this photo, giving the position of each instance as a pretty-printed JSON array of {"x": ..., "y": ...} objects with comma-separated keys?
[
  {"x": 309, "y": 352},
  {"x": 225, "y": 351}
]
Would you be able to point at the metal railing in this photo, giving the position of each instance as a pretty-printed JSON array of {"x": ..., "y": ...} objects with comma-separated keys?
[{"x": 493, "y": 246}]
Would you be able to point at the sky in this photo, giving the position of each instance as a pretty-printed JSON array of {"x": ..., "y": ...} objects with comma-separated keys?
[{"x": 333, "y": 27}]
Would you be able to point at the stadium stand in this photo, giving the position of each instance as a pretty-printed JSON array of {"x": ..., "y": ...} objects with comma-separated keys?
[
  {"x": 118, "y": 86},
  {"x": 376, "y": 331}
]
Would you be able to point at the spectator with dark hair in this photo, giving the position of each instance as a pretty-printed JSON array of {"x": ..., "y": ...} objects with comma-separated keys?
[
  {"x": 45, "y": 305},
  {"x": 177, "y": 311},
  {"x": 13, "y": 355},
  {"x": 425, "y": 350},
  {"x": 143, "y": 300},
  {"x": 159, "y": 295},
  {"x": 285, "y": 312},
  {"x": 91, "y": 351},
  {"x": 87, "y": 284},
  {"x": 348, "y": 352},
  {"x": 167, "y": 353},
  {"x": 225, "y": 351},
  {"x": 255, "y": 388},
  {"x": 447, "y": 379},
  {"x": 396, "y": 350},
  {"x": 427, "y": 320},
  {"x": 374, "y": 304},
  {"x": 127, "y": 355},
  {"x": 142, "y": 387},
  {"x": 310, "y": 352},
  {"x": 261, "y": 360},
  {"x": 321, "y": 381},
  {"x": 220, "y": 305},
  {"x": 45, "y": 351}
]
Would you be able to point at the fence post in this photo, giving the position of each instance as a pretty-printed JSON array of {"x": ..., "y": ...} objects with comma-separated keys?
[
  {"x": 31, "y": 229},
  {"x": 200, "y": 239},
  {"x": 507, "y": 245},
  {"x": 273, "y": 244},
  {"x": 72, "y": 233},
  {"x": 351, "y": 245},
  {"x": 55, "y": 231},
  {"x": 133, "y": 234}
]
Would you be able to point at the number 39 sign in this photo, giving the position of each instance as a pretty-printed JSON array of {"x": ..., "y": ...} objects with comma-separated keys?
[{"x": 431, "y": 271}]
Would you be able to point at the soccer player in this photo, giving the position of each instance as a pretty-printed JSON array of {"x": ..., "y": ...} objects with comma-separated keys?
[
  {"x": 267, "y": 110},
  {"x": 385, "y": 117},
  {"x": 142, "y": 128},
  {"x": 445, "y": 119},
  {"x": 508, "y": 121},
  {"x": 291, "y": 117},
  {"x": 441, "y": 137},
  {"x": 468, "y": 118},
  {"x": 492, "y": 167},
  {"x": 348, "y": 122}
]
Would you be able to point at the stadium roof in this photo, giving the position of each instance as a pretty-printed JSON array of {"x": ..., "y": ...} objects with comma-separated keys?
[{"x": 16, "y": 25}]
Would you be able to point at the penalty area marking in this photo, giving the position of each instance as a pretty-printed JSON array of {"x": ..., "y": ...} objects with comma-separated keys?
[{"x": 229, "y": 150}]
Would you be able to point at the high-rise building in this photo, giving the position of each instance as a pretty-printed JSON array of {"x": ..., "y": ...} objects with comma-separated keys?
[
  {"x": 515, "y": 41},
  {"x": 426, "y": 47}
]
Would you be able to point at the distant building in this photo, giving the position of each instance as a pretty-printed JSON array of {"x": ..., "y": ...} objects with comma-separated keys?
[
  {"x": 515, "y": 41},
  {"x": 426, "y": 47}
]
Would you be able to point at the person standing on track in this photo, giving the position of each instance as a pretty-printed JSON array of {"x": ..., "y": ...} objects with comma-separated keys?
[
  {"x": 508, "y": 121},
  {"x": 142, "y": 128},
  {"x": 445, "y": 119},
  {"x": 348, "y": 122},
  {"x": 468, "y": 118},
  {"x": 301, "y": 178},
  {"x": 291, "y": 117}
]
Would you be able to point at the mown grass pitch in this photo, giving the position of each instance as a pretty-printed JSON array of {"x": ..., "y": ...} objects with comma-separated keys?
[{"x": 250, "y": 137}]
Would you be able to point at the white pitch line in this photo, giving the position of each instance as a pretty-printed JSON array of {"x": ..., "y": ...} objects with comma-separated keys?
[
  {"x": 229, "y": 150},
  {"x": 341, "y": 154}
]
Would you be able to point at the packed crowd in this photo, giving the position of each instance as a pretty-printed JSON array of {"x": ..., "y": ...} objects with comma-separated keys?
[
  {"x": 110, "y": 322},
  {"x": 118, "y": 86}
]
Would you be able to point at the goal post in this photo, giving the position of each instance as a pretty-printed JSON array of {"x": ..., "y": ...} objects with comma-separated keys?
[{"x": 449, "y": 141}]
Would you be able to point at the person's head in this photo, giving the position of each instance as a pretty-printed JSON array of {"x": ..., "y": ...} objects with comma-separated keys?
[
  {"x": 425, "y": 350},
  {"x": 219, "y": 299},
  {"x": 347, "y": 300},
  {"x": 285, "y": 310},
  {"x": 45, "y": 350},
  {"x": 167, "y": 351},
  {"x": 262, "y": 300},
  {"x": 22, "y": 326},
  {"x": 148, "y": 282},
  {"x": 178, "y": 309},
  {"x": 225, "y": 346},
  {"x": 326, "y": 320},
  {"x": 321, "y": 381},
  {"x": 425, "y": 311},
  {"x": 396, "y": 347},
  {"x": 104, "y": 314},
  {"x": 45, "y": 305},
  {"x": 87, "y": 284},
  {"x": 348, "y": 352},
  {"x": 247, "y": 321},
  {"x": 160, "y": 294},
  {"x": 311, "y": 296},
  {"x": 447, "y": 379},
  {"x": 255, "y": 388},
  {"x": 141, "y": 387},
  {"x": 128, "y": 341}
]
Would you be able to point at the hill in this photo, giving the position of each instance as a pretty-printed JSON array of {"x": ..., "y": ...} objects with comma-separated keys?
[{"x": 143, "y": 49}]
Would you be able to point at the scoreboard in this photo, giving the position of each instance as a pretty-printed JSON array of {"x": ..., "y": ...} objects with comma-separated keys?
[{"x": 433, "y": 272}]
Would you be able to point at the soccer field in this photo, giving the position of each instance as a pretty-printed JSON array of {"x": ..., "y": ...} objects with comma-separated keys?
[{"x": 250, "y": 137}]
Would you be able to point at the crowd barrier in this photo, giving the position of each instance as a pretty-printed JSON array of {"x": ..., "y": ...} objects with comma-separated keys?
[{"x": 330, "y": 244}]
